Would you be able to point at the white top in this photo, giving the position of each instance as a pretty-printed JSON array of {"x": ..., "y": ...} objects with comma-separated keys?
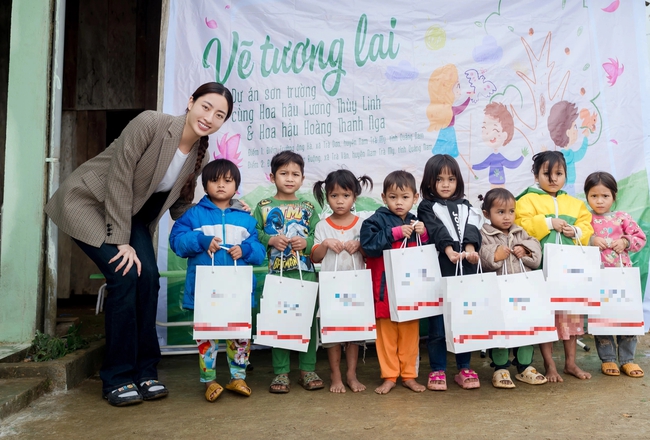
[
  {"x": 327, "y": 229},
  {"x": 173, "y": 172}
]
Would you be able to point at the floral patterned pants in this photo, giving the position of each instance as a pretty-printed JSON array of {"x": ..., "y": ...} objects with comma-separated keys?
[{"x": 237, "y": 351}]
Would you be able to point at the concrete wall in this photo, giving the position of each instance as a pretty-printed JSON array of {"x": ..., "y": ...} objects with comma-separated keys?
[{"x": 24, "y": 177}]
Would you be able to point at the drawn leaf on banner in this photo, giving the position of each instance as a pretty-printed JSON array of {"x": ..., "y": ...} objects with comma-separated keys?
[
  {"x": 580, "y": 31},
  {"x": 478, "y": 24}
]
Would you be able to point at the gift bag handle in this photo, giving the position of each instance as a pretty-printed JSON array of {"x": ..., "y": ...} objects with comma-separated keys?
[
  {"x": 418, "y": 240},
  {"x": 459, "y": 266},
  {"x": 576, "y": 239},
  {"x": 336, "y": 262},
  {"x": 212, "y": 270}
]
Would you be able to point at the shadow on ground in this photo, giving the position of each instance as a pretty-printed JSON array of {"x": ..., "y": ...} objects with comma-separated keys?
[{"x": 603, "y": 407}]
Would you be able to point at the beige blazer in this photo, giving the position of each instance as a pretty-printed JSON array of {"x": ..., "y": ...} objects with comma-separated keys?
[{"x": 96, "y": 202}]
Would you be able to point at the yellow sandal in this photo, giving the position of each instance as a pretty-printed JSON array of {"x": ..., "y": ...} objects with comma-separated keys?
[
  {"x": 239, "y": 386},
  {"x": 610, "y": 369},
  {"x": 630, "y": 367},
  {"x": 213, "y": 392}
]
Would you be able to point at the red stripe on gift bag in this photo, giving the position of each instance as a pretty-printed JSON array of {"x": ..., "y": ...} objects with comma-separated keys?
[
  {"x": 370, "y": 328},
  {"x": 419, "y": 304}
]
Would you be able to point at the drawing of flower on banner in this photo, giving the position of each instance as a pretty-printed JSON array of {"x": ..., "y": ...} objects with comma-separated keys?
[{"x": 229, "y": 149}]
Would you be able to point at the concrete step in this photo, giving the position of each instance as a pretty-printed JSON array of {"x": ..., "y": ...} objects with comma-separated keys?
[{"x": 17, "y": 393}]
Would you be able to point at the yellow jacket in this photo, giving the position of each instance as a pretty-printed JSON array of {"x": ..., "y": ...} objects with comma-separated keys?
[{"x": 535, "y": 206}]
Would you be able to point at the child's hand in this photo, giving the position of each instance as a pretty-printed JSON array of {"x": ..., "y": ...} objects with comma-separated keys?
[
  {"x": 333, "y": 244},
  {"x": 568, "y": 231},
  {"x": 214, "y": 246},
  {"x": 452, "y": 254},
  {"x": 519, "y": 251},
  {"x": 472, "y": 257},
  {"x": 600, "y": 242},
  {"x": 501, "y": 253},
  {"x": 407, "y": 230},
  {"x": 245, "y": 206},
  {"x": 298, "y": 243},
  {"x": 235, "y": 252},
  {"x": 559, "y": 224},
  {"x": 280, "y": 242},
  {"x": 352, "y": 246},
  {"x": 418, "y": 227},
  {"x": 619, "y": 245}
]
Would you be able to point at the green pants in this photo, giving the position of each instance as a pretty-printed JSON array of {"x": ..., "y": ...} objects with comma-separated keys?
[
  {"x": 501, "y": 358},
  {"x": 281, "y": 357}
]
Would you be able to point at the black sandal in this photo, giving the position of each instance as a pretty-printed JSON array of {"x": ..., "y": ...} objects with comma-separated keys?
[
  {"x": 152, "y": 389},
  {"x": 124, "y": 396}
]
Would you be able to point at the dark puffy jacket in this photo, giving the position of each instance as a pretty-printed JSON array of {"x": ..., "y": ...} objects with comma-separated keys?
[{"x": 376, "y": 236}]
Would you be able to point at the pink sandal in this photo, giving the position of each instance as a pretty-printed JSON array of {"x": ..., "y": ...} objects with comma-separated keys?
[
  {"x": 465, "y": 377},
  {"x": 437, "y": 376}
]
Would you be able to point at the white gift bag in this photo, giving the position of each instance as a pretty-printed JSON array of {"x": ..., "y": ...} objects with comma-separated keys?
[
  {"x": 414, "y": 282},
  {"x": 222, "y": 302},
  {"x": 573, "y": 277},
  {"x": 526, "y": 306},
  {"x": 621, "y": 303},
  {"x": 472, "y": 311},
  {"x": 347, "y": 310},
  {"x": 286, "y": 312}
]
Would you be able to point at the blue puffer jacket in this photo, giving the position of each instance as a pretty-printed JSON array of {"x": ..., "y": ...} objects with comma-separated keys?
[{"x": 192, "y": 233}]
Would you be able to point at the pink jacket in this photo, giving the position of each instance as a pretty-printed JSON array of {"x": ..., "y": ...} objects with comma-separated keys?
[{"x": 613, "y": 226}]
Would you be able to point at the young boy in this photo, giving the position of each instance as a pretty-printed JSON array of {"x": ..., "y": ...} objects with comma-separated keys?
[
  {"x": 217, "y": 227},
  {"x": 286, "y": 225},
  {"x": 397, "y": 342},
  {"x": 497, "y": 131}
]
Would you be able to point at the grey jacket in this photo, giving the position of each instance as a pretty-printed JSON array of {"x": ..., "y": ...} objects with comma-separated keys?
[
  {"x": 492, "y": 238},
  {"x": 96, "y": 202}
]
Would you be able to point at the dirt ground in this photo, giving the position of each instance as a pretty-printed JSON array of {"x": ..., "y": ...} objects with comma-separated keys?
[{"x": 603, "y": 407}]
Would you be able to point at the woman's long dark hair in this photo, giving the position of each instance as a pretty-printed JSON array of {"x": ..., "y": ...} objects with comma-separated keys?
[{"x": 187, "y": 193}]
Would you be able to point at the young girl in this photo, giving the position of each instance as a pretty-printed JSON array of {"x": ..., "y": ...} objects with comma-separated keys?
[
  {"x": 505, "y": 243},
  {"x": 339, "y": 235},
  {"x": 453, "y": 225},
  {"x": 544, "y": 211},
  {"x": 615, "y": 233}
]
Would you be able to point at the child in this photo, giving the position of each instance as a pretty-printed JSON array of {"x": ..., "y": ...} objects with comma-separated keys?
[
  {"x": 563, "y": 129},
  {"x": 286, "y": 227},
  {"x": 338, "y": 236},
  {"x": 544, "y": 211},
  {"x": 616, "y": 234},
  {"x": 504, "y": 243},
  {"x": 397, "y": 342},
  {"x": 217, "y": 228},
  {"x": 497, "y": 131},
  {"x": 453, "y": 225}
]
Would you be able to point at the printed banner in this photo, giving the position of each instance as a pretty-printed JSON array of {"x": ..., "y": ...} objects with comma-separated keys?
[{"x": 375, "y": 86}]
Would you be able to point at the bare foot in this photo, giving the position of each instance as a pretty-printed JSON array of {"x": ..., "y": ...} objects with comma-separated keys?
[
  {"x": 385, "y": 387},
  {"x": 551, "y": 373},
  {"x": 576, "y": 371},
  {"x": 413, "y": 385},
  {"x": 354, "y": 384},
  {"x": 337, "y": 384}
]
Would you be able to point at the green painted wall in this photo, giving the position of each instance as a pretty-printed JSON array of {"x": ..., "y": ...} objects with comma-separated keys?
[{"x": 21, "y": 249}]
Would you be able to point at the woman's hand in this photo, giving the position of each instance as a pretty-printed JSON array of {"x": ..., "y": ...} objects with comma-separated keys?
[
  {"x": 245, "y": 206},
  {"x": 128, "y": 256}
]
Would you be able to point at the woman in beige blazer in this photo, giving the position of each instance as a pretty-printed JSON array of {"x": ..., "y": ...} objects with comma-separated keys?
[{"x": 111, "y": 205}]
